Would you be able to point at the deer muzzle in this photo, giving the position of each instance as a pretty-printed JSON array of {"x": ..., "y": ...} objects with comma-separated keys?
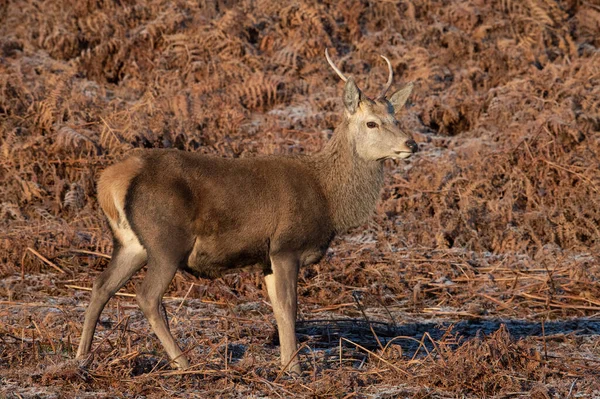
[{"x": 410, "y": 147}]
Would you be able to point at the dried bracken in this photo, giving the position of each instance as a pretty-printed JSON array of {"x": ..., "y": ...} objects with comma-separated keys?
[{"x": 498, "y": 216}]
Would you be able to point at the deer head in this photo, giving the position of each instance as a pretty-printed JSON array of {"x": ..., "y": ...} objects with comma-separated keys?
[{"x": 372, "y": 124}]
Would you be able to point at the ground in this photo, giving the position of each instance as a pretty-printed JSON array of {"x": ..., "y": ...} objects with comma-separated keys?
[{"x": 477, "y": 276}]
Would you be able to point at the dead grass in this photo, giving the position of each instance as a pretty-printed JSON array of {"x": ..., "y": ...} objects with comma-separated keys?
[{"x": 496, "y": 221}]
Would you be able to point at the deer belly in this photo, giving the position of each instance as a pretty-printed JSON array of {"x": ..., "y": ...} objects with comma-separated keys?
[{"x": 211, "y": 257}]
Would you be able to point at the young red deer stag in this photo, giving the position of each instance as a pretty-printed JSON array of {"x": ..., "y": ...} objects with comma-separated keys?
[{"x": 211, "y": 215}]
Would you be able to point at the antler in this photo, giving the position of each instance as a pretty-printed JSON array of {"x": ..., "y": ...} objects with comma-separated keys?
[
  {"x": 340, "y": 74},
  {"x": 344, "y": 78},
  {"x": 390, "y": 77}
]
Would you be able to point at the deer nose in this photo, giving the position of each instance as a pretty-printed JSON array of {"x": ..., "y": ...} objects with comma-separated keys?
[{"x": 412, "y": 145}]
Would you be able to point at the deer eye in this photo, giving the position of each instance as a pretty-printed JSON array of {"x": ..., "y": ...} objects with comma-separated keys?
[{"x": 371, "y": 125}]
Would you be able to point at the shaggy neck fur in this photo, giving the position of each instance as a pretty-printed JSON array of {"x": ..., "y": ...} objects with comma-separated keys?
[{"x": 352, "y": 185}]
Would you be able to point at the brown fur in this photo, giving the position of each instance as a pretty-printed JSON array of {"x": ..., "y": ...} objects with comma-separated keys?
[
  {"x": 113, "y": 184},
  {"x": 351, "y": 185}
]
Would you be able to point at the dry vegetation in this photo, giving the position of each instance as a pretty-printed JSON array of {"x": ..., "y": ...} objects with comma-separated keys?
[{"x": 496, "y": 220}]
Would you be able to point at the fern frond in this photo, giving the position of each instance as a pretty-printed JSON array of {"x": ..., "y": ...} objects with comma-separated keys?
[
  {"x": 67, "y": 137},
  {"x": 74, "y": 197}
]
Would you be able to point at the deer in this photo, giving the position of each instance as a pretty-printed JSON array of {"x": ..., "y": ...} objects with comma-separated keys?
[{"x": 210, "y": 215}]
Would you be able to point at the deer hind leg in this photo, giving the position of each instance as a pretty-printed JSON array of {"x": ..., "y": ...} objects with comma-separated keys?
[
  {"x": 127, "y": 258},
  {"x": 161, "y": 271},
  {"x": 281, "y": 286}
]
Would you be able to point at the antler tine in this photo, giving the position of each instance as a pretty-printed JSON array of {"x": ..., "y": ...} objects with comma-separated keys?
[
  {"x": 340, "y": 74},
  {"x": 390, "y": 77}
]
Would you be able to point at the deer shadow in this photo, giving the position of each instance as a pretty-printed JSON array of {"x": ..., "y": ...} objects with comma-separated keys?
[{"x": 329, "y": 334}]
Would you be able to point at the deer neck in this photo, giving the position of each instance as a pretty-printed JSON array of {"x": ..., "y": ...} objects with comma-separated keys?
[{"x": 352, "y": 185}]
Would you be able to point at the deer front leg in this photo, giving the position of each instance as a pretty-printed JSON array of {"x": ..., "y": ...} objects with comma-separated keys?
[{"x": 281, "y": 286}]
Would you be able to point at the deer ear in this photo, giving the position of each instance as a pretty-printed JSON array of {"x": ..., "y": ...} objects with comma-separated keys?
[
  {"x": 398, "y": 99},
  {"x": 352, "y": 96}
]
